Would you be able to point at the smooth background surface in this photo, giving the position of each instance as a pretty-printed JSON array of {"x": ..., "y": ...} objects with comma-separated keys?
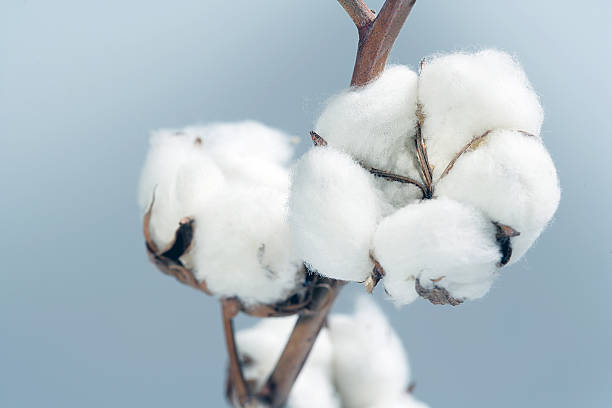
[{"x": 86, "y": 321}]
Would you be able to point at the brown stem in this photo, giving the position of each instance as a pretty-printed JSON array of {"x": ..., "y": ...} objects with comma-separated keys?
[
  {"x": 237, "y": 385},
  {"x": 376, "y": 37},
  {"x": 400, "y": 179},
  {"x": 276, "y": 390},
  {"x": 359, "y": 12}
]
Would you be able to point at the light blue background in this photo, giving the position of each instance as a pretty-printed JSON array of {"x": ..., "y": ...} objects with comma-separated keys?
[{"x": 86, "y": 321}]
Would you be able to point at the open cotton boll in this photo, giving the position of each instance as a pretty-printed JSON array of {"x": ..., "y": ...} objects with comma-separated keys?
[
  {"x": 464, "y": 95},
  {"x": 181, "y": 176},
  {"x": 242, "y": 245},
  {"x": 368, "y": 360},
  {"x": 333, "y": 212},
  {"x": 512, "y": 179},
  {"x": 263, "y": 344},
  {"x": 373, "y": 123},
  {"x": 441, "y": 241}
]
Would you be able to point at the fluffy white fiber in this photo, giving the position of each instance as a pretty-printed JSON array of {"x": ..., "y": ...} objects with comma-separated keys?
[
  {"x": 334, "y": 212},
  {"x": 441, "y": 241},
  {"x": 369, "y": 360},
  {"x": 232, "y": 178},
  {"x": 373, "y": 123},
  {"x": 465, "y": 95},
  {"x": 263, "y": 345},
  {"x": 512, "y": 179}
]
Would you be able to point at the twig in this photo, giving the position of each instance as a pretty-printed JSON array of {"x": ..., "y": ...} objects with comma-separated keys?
[
  {"x": 400, "y": 179},
  {"x": 276, "y": 390},
  {"x": 236, "y": 385},
  {"x": 359, "y": 12},
  {"x": 376, "y": 37}
]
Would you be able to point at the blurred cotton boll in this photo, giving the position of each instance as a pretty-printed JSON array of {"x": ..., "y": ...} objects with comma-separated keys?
[{"x": 233, "y": 180}]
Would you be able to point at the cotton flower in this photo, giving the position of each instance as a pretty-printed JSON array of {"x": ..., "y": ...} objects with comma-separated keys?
[
  {"x": 463, "y": 136},
  {"x": 233, "y": 180}
]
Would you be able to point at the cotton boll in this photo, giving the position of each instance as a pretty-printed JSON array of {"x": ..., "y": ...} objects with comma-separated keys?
[
  {"x": 333, "y": 213},
  {"x": 181, "y": 176},
  {"x": 374, "y": 123},
  {"x": 369, "y": 360},
  {"x": 263, "y": 345},
  {"x": 465, "y": 95},
  {"x": 242, "y": 245},
  {"x": 512, "y": 179},
  {"x": 441, "y": 242}
]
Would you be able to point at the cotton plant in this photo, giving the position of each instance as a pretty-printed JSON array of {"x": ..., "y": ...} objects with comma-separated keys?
[
  {"x": 431, "y": 181},
  {"x": 357, "y": 361}
]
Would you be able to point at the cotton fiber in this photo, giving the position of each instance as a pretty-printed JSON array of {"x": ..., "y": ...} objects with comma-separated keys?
[
  {"x": 334, "y": 212},
  {"x": 374, "y": 123},
  {"x": 512, "y": 179},
  {"x": 242, "y": 245},
  {"x": 441, "y": 242},
  {"x": 464, "y": 95}
]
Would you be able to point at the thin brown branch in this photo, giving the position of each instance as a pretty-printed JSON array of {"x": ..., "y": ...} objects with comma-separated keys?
[
  {"x": 359, "y": 12},
  {"x": 237, "y": 386},
  {"x": 473, "y": 143},
  {"x": 400, "y": 179},
  {"x": 377, "y": 38},
  {"x": 423, "y": 159},
  {"x": 276, "y": 390}
]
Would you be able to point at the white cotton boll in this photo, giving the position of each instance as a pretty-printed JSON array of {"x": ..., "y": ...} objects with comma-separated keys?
[
  {"x": 437, "y": 240},
  {"x": 374, "y": 123},
  {"x": 242, "y": 245},
  {"x": 369, "y": 361},
  {"x": 464, "y": 95},
  {"x": 333, "y": 213},
  {"x": 181, "y": 176},
  {"x": 512, "y": 179},
  {"x": 263, "y": 344}
]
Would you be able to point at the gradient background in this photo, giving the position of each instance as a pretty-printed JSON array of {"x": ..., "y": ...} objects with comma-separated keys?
[{"x": 86, "y": 321}]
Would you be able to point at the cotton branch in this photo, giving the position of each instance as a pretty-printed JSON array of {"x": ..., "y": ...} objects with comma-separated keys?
[{"x": 376, "y": 35}]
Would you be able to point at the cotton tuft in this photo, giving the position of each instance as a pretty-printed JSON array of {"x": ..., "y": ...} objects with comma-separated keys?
[
  {"x": 374, "y": 123},
  {"x": 334, "y": 212},
  {"x": 464, "y": 95},
  {"x": 233, "y": 180},
  {"x": 441, "y": 242},
  {"x": 512, "y": 179}
]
